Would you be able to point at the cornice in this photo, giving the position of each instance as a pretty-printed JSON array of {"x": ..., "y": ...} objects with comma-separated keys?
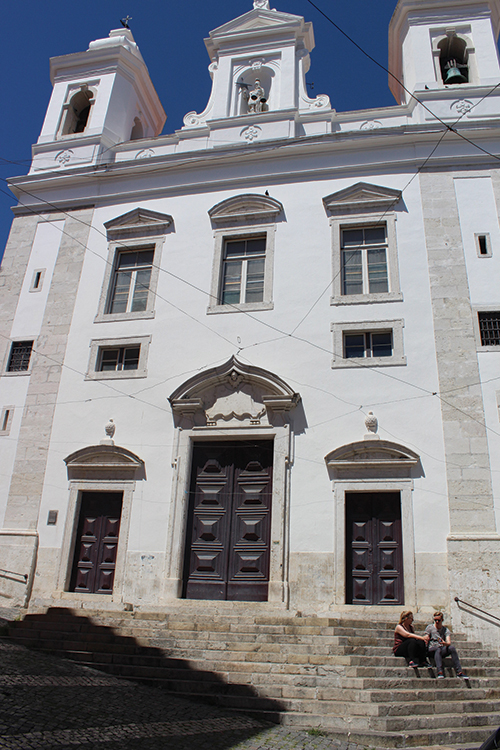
[{"x": 98, "y": 181}]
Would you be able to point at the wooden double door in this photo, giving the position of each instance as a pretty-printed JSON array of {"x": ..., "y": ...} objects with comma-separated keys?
[
  {"x": 96, "y": 543},
  {"x": 374, "y": 549},
  {"x": 229, "y": 521}
]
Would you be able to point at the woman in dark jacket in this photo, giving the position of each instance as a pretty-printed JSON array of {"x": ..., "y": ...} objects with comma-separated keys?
[{"x": 407, "y": 643}]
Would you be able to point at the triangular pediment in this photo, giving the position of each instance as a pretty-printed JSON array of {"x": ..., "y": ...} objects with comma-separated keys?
[
  {"x": 261, "y": 21},
  {"x": 258, "y": 18},
  {"x": 362, "y": 197},
  {"x": 246, "y": 207},
  {"x": 138, "y": 222}
]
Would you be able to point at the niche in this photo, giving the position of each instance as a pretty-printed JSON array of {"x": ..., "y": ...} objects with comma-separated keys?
[{"x": 453, "y": 60}]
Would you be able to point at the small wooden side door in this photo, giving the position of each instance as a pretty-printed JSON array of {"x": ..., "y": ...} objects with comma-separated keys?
[
  {"x": 96, "y": 543},
  {"x": 374, "y": 549}
]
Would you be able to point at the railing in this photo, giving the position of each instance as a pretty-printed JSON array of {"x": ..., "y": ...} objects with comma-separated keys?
[
  {"x": 9, "y": 573},
  {"x": 478, "y": 609}
]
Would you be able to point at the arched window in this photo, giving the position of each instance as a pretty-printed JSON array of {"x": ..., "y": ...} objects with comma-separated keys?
[
  {"x": 453, "y": 60},
  {"x": 77, "y": 112}
]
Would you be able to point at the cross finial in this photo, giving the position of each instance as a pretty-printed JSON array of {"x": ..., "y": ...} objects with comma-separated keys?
[
  {"x": 124, "y": 21},
  {"x": 261, "y": 4}
]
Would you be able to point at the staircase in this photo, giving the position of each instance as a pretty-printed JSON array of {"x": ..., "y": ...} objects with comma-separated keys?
[{"x": 334, "y": 674}]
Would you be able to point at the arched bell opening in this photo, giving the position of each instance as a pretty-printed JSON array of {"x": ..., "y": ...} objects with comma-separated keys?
[
  {"x": 453, "y": 60},
  {"x": 78, "y": 112}
]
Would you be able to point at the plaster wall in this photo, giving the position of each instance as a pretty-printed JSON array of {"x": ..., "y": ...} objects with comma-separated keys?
[{"x": 185, "y": 341}]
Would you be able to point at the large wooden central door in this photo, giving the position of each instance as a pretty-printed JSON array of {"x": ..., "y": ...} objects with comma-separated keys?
[
  {"x": 229, "y": 522},
  {"x": 96, "y": 543},
  {"x": 374, "y": 552}
]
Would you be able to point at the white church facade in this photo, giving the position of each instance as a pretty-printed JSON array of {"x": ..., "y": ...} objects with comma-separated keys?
[{"x": 256, "y": 362}]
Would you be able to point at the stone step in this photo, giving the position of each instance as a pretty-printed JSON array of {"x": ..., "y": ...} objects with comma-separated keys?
[{"x": 435, "y": 722}]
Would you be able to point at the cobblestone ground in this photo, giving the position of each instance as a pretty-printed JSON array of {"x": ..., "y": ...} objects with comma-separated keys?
[{"x": 47, "y": 702}]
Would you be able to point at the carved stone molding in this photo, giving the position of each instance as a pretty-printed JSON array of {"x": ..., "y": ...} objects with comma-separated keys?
[
  {"x": 361, "y": 197},
  {"x": 247, "y": 207},
  {"x": 141, "y": 222},
  {"x": 233, "y": 394},
  {"x": 104, "y": 462},
  {"x": 380, "y": 458}
]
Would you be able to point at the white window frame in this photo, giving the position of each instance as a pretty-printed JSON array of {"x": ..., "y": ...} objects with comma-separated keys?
[
  {"x": 96, "y": 346},
  {"x": 362, "y": 221},
  {"x": 220, "y": 236},
  {"x": 368, "y": 326},
  {"x": 115, "y": 249}
]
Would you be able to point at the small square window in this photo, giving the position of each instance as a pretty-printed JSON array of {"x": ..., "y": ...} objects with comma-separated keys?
[
  {"x": 368, "y": 343},
  {"x": 122, "y": 358},
  {"x": 20, "y": 356},
  {"x": 118, "y": 358},
  {"x": 489, "y": 328}
]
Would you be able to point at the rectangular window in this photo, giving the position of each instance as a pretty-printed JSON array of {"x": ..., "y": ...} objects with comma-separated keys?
[
  {"x": 483, "y": 245},
  {"x": 20, "y": 355},
  {"x": 243, "y": 270},
  {"x": 6, "y": 420},
  {"x": 489, "y": 328},
  {"x": 368, "y": 344},
  {"x": 364, "y": 260},
  {"x": 131, "y": 281},
  {"x": 121, "y": 358}
]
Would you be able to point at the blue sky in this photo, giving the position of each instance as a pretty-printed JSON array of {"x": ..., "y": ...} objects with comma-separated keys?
[{"x": 170, "y": 36}]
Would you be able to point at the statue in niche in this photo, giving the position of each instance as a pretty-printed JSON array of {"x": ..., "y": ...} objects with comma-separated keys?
[{"x": 255, "y": 98}]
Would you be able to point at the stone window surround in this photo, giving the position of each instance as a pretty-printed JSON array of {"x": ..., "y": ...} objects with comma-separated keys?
[
  {"x": 8, "y": 423},
  {"x": 477, "y": 332},
  {"x": 38, "y": 288},
  {"x": 489, "y": 253},
  {"x": 114, "y": 249},
  {"x": 338, "y": 223},
  {"x": 77, "y": 487},
  {"x": 228, "y": 233},
  {"x": 97, "y": 344},
  {"x": 280, "y": 521},
  {"x": 405, "y": 488},
  {"x": 363, "y": 326},
  {"x": 5, "y": 364}
]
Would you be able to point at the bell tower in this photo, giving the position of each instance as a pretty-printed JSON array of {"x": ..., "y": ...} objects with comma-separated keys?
[
  {"x": 258, "y": 66},
  {"x": 101, "y": 97},
  {"x": 447, "y": 47}
]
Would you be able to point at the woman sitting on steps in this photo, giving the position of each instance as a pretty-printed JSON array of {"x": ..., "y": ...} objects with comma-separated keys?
[{"x": 407, "y": 643}]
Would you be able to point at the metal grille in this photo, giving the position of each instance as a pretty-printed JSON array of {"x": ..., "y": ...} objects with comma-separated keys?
[
  {"x": 20, "y": 355},
  {"x": 489, "y": 326}
]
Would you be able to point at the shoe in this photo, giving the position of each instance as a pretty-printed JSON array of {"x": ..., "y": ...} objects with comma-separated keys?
[
  {"x": 462, "y": 676},
  {"x": 411, "y": 664},
  {"x": 425, "y": 663},
  {"x": 440, "y": 676}
]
